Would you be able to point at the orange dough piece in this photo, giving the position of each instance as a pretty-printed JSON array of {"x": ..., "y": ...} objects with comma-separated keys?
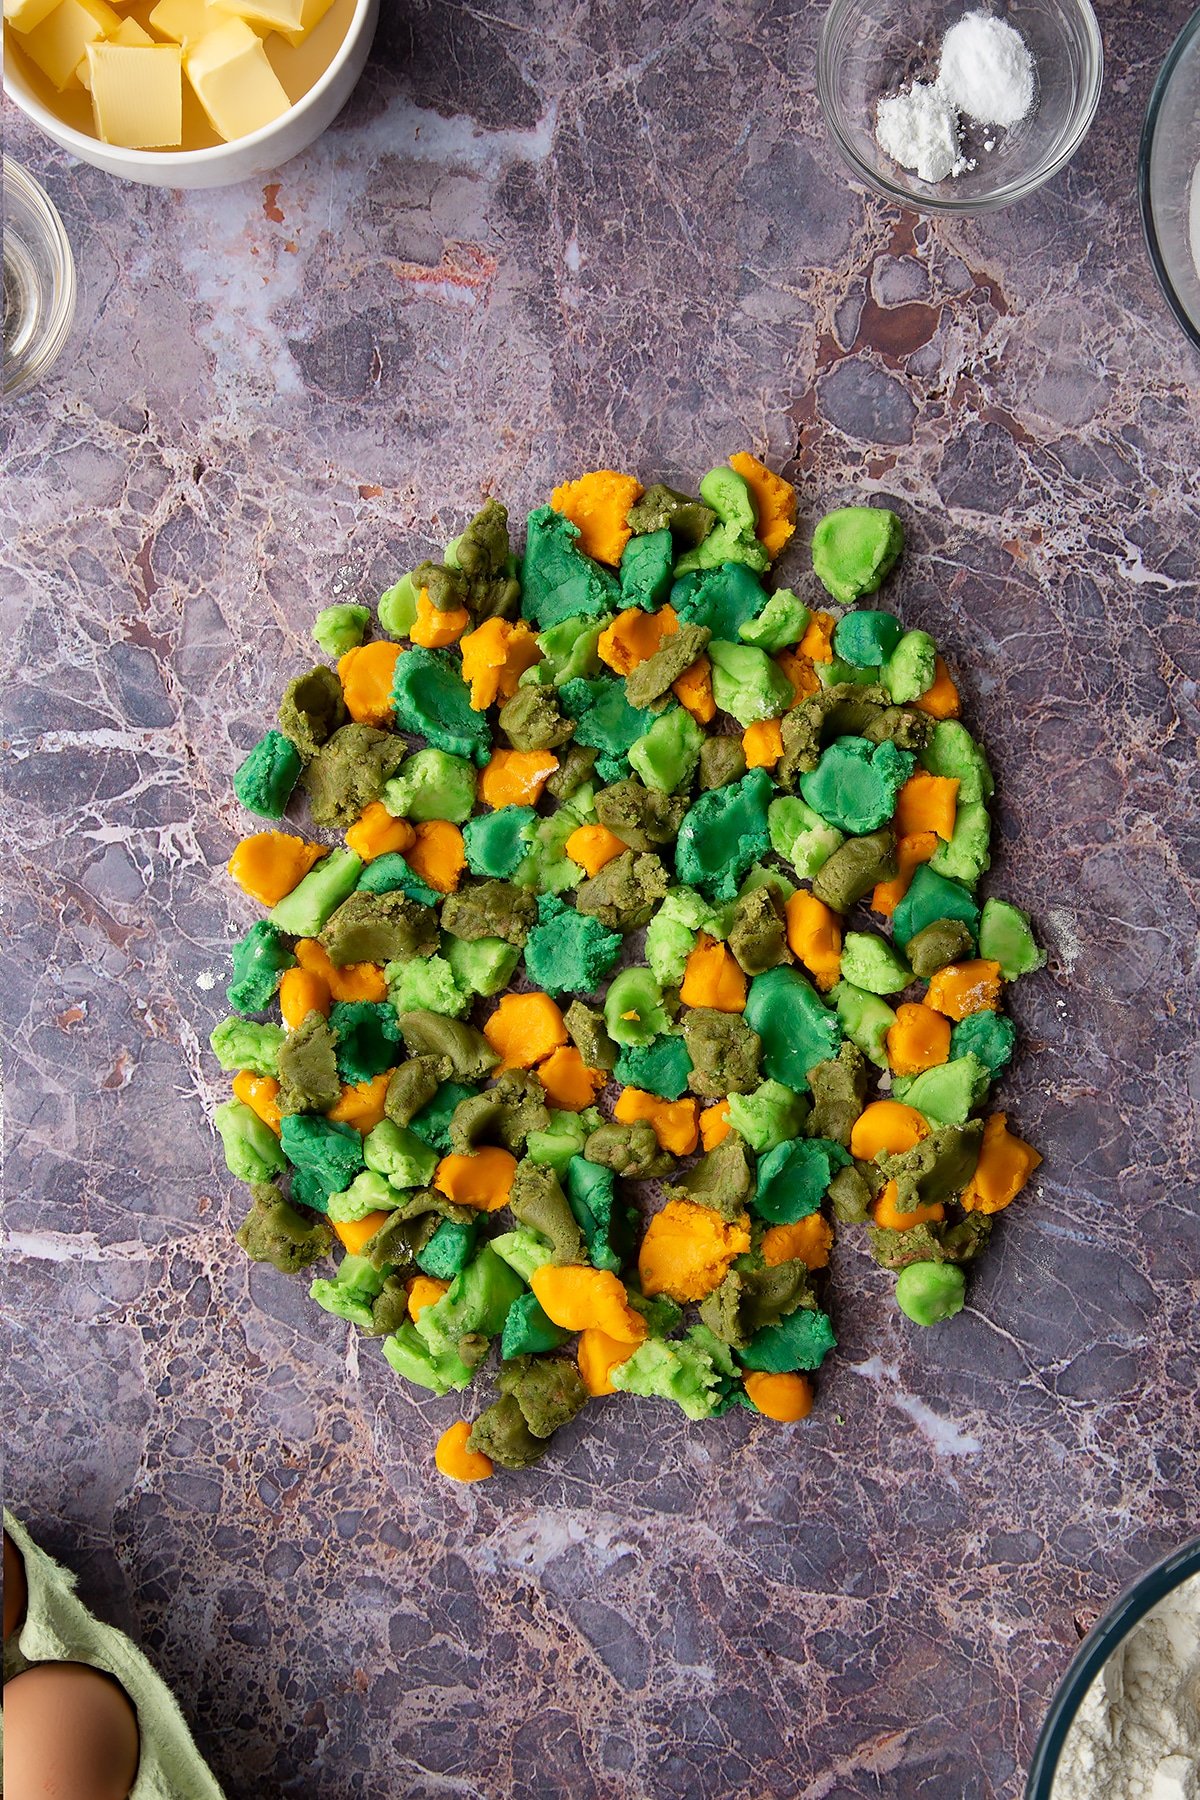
[
  {"x": 438, "y": 854},
  {"x": 523, "y": 1029},
  {"x": 917, "y": 848},
  {"x": 366, "y": 675},
  {"x": 577, "y": 1298},
  {"x": 259, "y": 1093},
  {"x": 887, "y": 1211},
  {"x": 774, "y": 498},
  {"x": 454, "y": 1460},
  {"x": 352, "y": 981},
  {"x": 423, "y": 1291},
  {"x": 814, "y": 934},
  {"x": 808, "y": 1241},
  {"x": 763, "y": 743},
  {"x": 713, "y": 977},
  {"x": 687, "y": 1249},
  {"x": 676, "y": 1122},
  {"x": 375, "y": 833},
  {"x": 941, "y": 700},
  {"x": 800, "y": 672},
  {"x": 919, "y": 1040},
  {"x": 354, "y": 1233},
  {"x": 817, "y": 642},
  {"x": 784, "y": 1398},
  {"x": 268, "y": 864},
  {"x": 568, "y": 1081},
  {"x": 361, "y": 1104},
  {"x": 714, "y": 1124},
  {"x": 926, "y": 803},
  {"x": 886, "y": 1126},
  {"x": 515, "y": 777},
  {"x": 961, "y": 989},
  {"x": 693, "y": 690},
  {"x": 1005, "y": 1165},
  {"x": 598, "y": 1355},
  {"x": 302, "y": 991},
  {"x": 598, "y": 503},
  {"x": 482, "y": 1178},
  {"x": 591, "y": 846},
  {"x": 436, "y": 630},
  {"x": 634, "y": 636},
  {"x": 494, "y": 657}
]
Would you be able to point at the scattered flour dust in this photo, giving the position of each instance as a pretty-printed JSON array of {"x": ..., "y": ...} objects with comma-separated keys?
[
  {"x": 1137, "y": 1734},
  {"x": 985, "y": 73}
]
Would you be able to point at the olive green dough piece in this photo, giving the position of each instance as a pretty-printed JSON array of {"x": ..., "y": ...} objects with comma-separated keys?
[
  {"x": 839, "y": 1091},
  {"x": 490, "y": 909},
  {"x": 312, "y": 709},
  {"x": 652, "y": 679},
  {"x": 546, "y": 1388},
  {"x": 466, "y": 1050},
  {"x": 308, "y": 1071},
  {"x": 758, "y": 931},
  {"x": 937, "y": 1169},
  {"x": 945, "y": 941},
  {"x": 537, "y": 1200},
  {"x": 622, "y": 895},
  {"x": 504, "y": 1114},
  {"x": 531, "y": 720},
  {"x": 575, "y": 767},
  {"x": 274, "y": 1231},
  {"x": 348, "y": 772},
  {"x": 749, "y": 1300},
  {"x": 689, "y": 521},
  {"x": 412, "y": 1086},
  {"x": 586, "y": 1028},
  {"x": 724, "y": 1052},
  {"x": 932, "y": 1242},
  {"x": 855, "y": 868},
  {"x": 640, "y": 816},
  {"x": 722, "y": 1179},
  {"x": 380, "y": 928},
  {"x": 500, "y": 1432},
  {"x": 629, "y": 1150},
  {"x": 850, "y": 1196},
  {"x": 722, "y": 761}
]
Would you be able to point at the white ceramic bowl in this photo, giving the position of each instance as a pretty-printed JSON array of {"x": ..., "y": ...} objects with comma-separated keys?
[{"x": 220, "y": 165}]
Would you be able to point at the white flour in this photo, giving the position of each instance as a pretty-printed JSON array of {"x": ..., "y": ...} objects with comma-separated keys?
[
  {"x": 985, "y": 72},
  {"x": 920, "y": 129},
  {"x": 1137, "y": 1734}
]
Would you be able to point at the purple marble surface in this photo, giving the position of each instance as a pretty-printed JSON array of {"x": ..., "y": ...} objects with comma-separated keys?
[{"x": 535, "y": 244}]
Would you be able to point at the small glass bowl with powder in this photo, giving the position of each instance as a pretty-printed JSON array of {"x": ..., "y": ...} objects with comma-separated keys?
[
  {"x": 1125, "y": 1721},
  {"x": 959, "y": 105}
]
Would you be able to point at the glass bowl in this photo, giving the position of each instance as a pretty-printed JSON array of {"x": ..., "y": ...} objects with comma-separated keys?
[
  {"x": 1168, "y": 183},
  {"x": 871, "y": 47},
  {"x": 39, "y": 281},
  {"x": 1101, "y": 1641}
]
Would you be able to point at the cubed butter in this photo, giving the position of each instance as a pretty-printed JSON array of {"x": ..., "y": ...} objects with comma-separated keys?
[
  {"x": 186, "y": 21},
  {"x": 129, "y": 33},
  {"x": 59, "y": 44},
  {"x": 234, "y": 81},
  {"x": 23, "y": 15},
  {"x": 137, "y": 94},
  {"x": 277, "y": 15}
]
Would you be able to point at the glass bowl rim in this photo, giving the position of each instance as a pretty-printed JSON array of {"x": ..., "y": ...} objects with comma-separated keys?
[
  {"x": 980, "y": 203},
  {"x": 1154, "y": 107},
  {"x": 58, "y": 326},
  {"x": 1131, "y": 1605}
]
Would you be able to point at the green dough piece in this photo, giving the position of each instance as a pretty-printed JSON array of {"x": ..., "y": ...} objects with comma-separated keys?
[
  {"x": 467, "y": 1052},
  {"x": 928, "y": 1292},
  {"x": 746, "y": 683},
  {"x": 854, "y": 549},
  {"x": 935, "y": 1171},
  {"x": 528, "y": 1329},
  {"x": 757, "y": 932},
  {"x": 412, "y": 1087},
  {"x": 449, "y": 1250},
  {"x": 1006, "y": 937},
  {"x": 945, "y": 941},
  {"x": 352, "y": 1292},
  {"x": 398, "y": 608},
  {"x": 722, "y": 1179},
  {"x": 496, "y": 842},
  {"x": 855, "y": 784},
  {"x": 749, "y": 1300},
  {"x": 538, "y": 1202},
  {"x": 911, "y": 667},
  {"x": 668, "y": 946},
  {"x": 265, "y": 779},
  {"x": 953, "y": 752},
  {"x": 850, "y": 1197},
  {"x": 731, "y": 498},
  {"x": 661, "y": 1067},
  {"x": 666, "y": 756},
  {"x": 432, "y": 1122},
  {"x": 379, "y": 928},
  {"x": 732, "y": 540},
  {"x": 722, "y": 761},
  {"x": 304, "y": 911},
  {"x": 801, "y": 1341},
  {"x": 646, "y": 567},
  {"x": 340, "y": 628},
  {"x": 312, "y": 709},
  {"x": 411, "y": 1357},
  {"x": 493, "y": 909},
  {"x": 722, "y": 600},
  {"x": 476, "y": 1303},
  {"x": 308, "y": 1067},
  {"x": 651, "y": 680},
  {"x": 839, "y": 1090},
  {"x": 870, "y": 962},
  {"x": 558, "y": 580},
  {"x": 687, "y": 1370},
  {"x": 633, "y": 1007},
  {"x": 591, "y": 1195},
  {"x": 570, "y": 953},
  {"x": 553, "y": 1149},
  {"x": 434, "y": 702},
  {"x": 946, "y": 1094},
  {"x": 483, "y": 966},
  {"x": 662, "y": 508},
  {"x": 588, "y": 1034},
  {"x": 384, "y": 874},
  {"x": 989, "y": 1036},
  {"x": 629, "y": 1150},
  {"x": 432, "y": 784},
  {"x": 794, "y": 1178},
  {"x": 546, "y": 865},
  {"x": 931, "y": 897},
  {"x": 241, "y": 1044},
  {"x": 855, "y": 868},
  {"x": 724, "y": 1053},
  {"x": 796, "y": 1029},
  {"x": 504, "y": 1114},
  {"x": 426, "y": 984},
  {"x": 865, "y": 1019},
  {"x": 259, "y": 960},
  {"x": 501, "y": 1433},
  {"x": 623, "y": 893},
  {"x": 967, "y": 855},
  {"x": 412, "y": 1220},
  {"x": 547, "y": 1389},
  {"x": 569, "y": 649},
  {"x": 641, "y": 816},
  {"x": 769, "y": 1116},
  {"x": 523, "y": 1250},
  {"x": 531, "y": 720},
  {"x": 275, "y": 1232},
  {"x": 367, "y": 1037},
  {"x": 331, "y": 1154},
  {"x": 483, "y": 559},
  {"x": 252, "y": 1151},
  {"x": 782, "y": 621},
  {"x": 723, "y": 833},
  {"x": 933, "y": 1242},
  {"x": 367, "y": 1193},
  {"x": 865, "y": 639},
  {"x": 801, "y": 835},
  {"x": 603, "y": 717}
]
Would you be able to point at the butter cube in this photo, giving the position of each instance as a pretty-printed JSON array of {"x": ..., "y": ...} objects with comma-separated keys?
[
  {"x": 137, "y": 94},
  {"x": 59, "y": 44},
  {"x": 185, "y": 21},
  {"x": 234, "y": 81},
  {"x": 129, "y": 33},
  {"x": 23, "y": 15},
  {"x": 294, "y": 19}
]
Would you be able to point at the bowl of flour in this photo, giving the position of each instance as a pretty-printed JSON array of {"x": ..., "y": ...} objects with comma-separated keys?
[
  {"x": 959, "y": 105},
  {"x": 1125, "y": 1722}
]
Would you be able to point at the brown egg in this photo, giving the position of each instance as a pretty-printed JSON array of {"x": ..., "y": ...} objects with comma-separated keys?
[
  {"x": 70, "y": 1733},
  {"x": 15, "y": 1591}
]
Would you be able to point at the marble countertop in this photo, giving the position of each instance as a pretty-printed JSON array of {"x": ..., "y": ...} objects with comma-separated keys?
[{"x": 532, "y": 245}]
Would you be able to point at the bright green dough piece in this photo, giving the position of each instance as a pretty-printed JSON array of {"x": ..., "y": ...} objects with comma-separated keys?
[
  {"x": 448, "y": 1251},
  {"x": 794, "y": 1177},
  {"x": 910, "y": 669},
  {"x": 557, "y": 580},
  {"x": 928, "y": 1292},
  {"x": 554, "y": 1148},
  {"x": 398, "y": 608},
  {"x": 524, "y": 1250},
  {"x": 481, "y": 965},
  {"x": 428, "y": 984},
  {"x": 931, "y": 897},
  {"x": 953, "y": 752},
  {"x": 769, "y": 1116},
  {"x": 1006, "y": 937},
  {"x": 685, "y": 1370},
  {"x": 403, "y": 1158},
  {"x": 646, "y": 570},
  {"x": 668, "y": 946},
  {"x": 855, "y": 784},
  {"x": 801, "y": 836},
  {"x": 947, "y": 1094},
  {"x": 384, "y": 874},
  {"x": 409, "y": 1355},
  {"x": 782, "y": 621},
  {"x": 667, "y": 755},
  {"x": 341, "y": 628},
  {"x": 801, "y": 1341},
  {"x": 746, "y": 683},
  {"x": 731, "y": 498},
  {"x": 796, "y": 1028},
  {"x": 264, "y": 781},
  {"x": 570, "y": 953},
  {"x": 477, "y": 1301},
  {"x": 634, "y": 991},
  {"x": 367, "y": 1193},
  {"x": 497, "y": 841},
  {"x": 870, "y": 962},
  {"x": 350, "y": 1294},
  {"x": 252, "y": 1151},
  {"x": 432, "y": 701},
  {"x": 722, "y": 599},
  {"x": 733, "y": 539},
  {"x": 837, "y": 673},
  {"x": 569, "y": 649},
  {"x": 528, "y": 1330},
  {"x": 865, "y": 1019},
  {"x": 259, "y": 960},
  {"x": 329, "y": 1153},
  {"x": 854, "y": 548},
  {"x": 546, "y": 866},
  {"x": 241, "y": 1044},
  {"x": 431, "y": 784},
  {"x": 312, "y": 902},
  {"x": 988, "y": 1035},
  {"x": 967, "y": 856},
  {"x": 660, "y": 1067},
  {"x": 723, "y": 833},
  {"x": 866, "y": 638}
]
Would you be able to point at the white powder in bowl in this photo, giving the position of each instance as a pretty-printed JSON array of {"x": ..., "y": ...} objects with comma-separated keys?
[
  {"x": 986, "y": 70},
  {"x": 920, "y": 130},
  {"x": 1137, "y": 1734}
]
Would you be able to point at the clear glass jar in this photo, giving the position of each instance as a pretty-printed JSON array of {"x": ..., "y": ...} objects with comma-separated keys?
[{"x": 39, "y": 281}]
